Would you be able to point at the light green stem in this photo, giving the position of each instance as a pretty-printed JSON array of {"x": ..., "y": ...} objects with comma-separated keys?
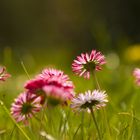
[
  {"x": 96, "y": 81},
  {"x": 104, "y": 111},
  {"x": 96, "y": 124},
  {"x": 25, "y": 70},
  {"x": 6, "y": 110}
]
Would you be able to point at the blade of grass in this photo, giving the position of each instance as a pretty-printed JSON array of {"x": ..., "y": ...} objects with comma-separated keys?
[
  {"x": 25, "y": 70},
  {"x": 9, "y": 115},
  {"x": 76, "y": 131}
]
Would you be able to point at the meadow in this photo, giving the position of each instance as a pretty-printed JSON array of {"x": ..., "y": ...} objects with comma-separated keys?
[{"x": 118, "y": 120}]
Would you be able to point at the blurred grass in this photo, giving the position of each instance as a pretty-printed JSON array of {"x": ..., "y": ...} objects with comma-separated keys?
[{"x": 61, "y": 123}]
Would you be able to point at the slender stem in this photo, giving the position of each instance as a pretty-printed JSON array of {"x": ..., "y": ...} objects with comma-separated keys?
[
  {"x": 76, "y": 131},
  {"x": 25, "y": 70},
  {"x": 96, "y": 80},
  {"x": 42, "y": 118},
  {"x": 96, "y": 124},
  {"x": 11, "y": 133},
  {"x": 104, "y": 111},
  {"x": 6, "y": 110},
  {"x": 82, "y": 124}
]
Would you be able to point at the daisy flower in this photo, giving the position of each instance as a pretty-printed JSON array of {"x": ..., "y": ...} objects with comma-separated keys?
[
  {"x": 87, "y": 63},
  {"x": 91, "y": 99},
  {"x": 58, "y": 88},
  {"x": 51, "y": 83},
  {"x": 3, "y": 74},
  {"x": 26, "y": 105},
  {"x": 136, "y": 74}
]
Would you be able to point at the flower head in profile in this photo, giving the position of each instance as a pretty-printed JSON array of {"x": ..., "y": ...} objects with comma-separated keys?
[
  {"x": 136, "y": 74},
  {"x": 3, "y": 74},
  {"x": 26, "y": 105},
  {"x": 91, "y": 99},
  {"x": 87, "y": 63}
]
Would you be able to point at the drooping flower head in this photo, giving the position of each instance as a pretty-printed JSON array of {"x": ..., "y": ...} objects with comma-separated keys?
[
  {"x": 3, "y": 74},
  {"x": 26, "y": 105},
  {"x": 136, "y": 74},
  {"x": 91, "y": 99},
  {"x": 87, "y": 63}
]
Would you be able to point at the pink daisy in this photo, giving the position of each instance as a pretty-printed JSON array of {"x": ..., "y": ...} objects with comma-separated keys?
[
  {"x": 3, "y": 74},
  {"x": 136, "y": 74},
  {"x": 95, "y": 99},
  {"x": 58, "y": 90},
  {"x": 86, "y": 63},
  {"x": 26, "y": 105},
  {"x": 51, "y": 81}
]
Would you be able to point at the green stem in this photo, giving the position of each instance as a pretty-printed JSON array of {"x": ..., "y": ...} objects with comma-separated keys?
[
  {"x": 96, "y": 124},
  {"x": 82, "y": 125},
  {"x": 96, "y": 81},
  {"x": 104, "y": 111},
  {"x": 25, "y": 70},
  {"x": 6, "y": 110},
  {"x": 42, "y": 118}
]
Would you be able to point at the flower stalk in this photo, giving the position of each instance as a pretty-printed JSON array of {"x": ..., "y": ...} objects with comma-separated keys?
[{"x": 95, "y": 122}]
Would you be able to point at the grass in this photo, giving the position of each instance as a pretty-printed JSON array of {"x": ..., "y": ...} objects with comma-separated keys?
[{"x": 119, "y": 120}]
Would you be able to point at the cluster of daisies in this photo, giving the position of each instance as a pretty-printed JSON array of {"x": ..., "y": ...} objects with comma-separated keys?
[{"x": 53, "y": 87}]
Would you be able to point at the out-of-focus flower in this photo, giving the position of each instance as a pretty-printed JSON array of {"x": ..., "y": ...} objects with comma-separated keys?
[
  {"x": 136, "y": 74},
  {"x": 35, "y": 86},
  {"x": 26, "y": 105},
  {"x": 57, "y": 87},
  {"x": 131, "y": 54},
  {"x": 46, "y": 136},
  {"x": 91, "y": 99},
  {"x": 51, "y": 83},
  {"x": 3, "y": 74},
  {"x": 87, "y": 63}
]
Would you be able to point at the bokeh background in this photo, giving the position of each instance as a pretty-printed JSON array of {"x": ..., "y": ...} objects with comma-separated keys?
[{"x": 51, "y": 33}]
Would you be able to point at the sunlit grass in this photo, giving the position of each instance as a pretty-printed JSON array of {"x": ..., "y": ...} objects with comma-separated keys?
[{"x": 61, "y": 123}]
